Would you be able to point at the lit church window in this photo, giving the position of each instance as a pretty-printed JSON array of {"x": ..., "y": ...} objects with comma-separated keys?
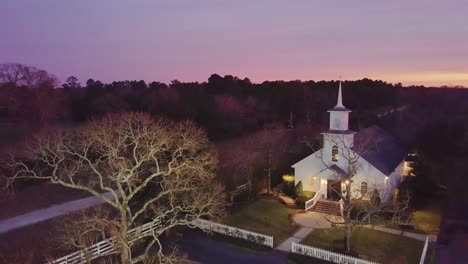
[
  {"x": 334, "y": 153},
  {"x": 363, "y": 188}
]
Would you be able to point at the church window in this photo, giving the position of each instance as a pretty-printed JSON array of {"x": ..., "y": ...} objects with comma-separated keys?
[
  {"x": 363, "y": 188},
  {"x": 334, "y": 153}
]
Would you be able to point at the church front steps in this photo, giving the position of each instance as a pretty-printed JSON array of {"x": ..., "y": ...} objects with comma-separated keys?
[{"x": 327, "y": 207}]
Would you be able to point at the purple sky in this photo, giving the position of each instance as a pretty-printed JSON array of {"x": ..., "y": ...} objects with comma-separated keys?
[{"x": 413, "y": 42}]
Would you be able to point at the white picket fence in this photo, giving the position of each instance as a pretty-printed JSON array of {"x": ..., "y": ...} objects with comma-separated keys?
[
  {"x": 107, "y": 247},
  {"x": 423, "y": 255},
  {"x": 235, "y": 232},
  {"x": 327, "y": 255},
  {"x": 103, "y": 248},
  {"x": 238, "y": 190}
]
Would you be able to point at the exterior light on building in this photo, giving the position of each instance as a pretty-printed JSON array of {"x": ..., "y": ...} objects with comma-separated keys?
[{"x": 347, "y": 182}]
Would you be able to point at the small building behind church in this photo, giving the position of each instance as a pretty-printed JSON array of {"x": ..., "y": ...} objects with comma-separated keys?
[{"x": 372, "y": 155}]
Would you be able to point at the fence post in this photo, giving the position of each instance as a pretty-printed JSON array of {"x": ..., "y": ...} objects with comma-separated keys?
[{"x": 423, "y": 255}]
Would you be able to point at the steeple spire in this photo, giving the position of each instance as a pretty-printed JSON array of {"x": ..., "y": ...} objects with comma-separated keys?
[
  {"x": 339, "y": 114},
  {"x": 340, "y": 99}
]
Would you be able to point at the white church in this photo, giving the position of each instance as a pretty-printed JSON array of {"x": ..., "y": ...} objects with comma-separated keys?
[{"x": 375, "y": 158}]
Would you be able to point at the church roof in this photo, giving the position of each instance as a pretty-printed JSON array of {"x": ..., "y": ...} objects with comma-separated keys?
[
  {"x": 379, "y": 148},
  {"x": 337, "y": 170},
  {"x": 333, "y": 172}
]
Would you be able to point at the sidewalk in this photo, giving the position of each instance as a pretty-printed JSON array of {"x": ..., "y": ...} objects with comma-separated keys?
[
  {"x": 417, "y": 236},
  {"x": 296, "y": 237},
  {"x": 287, "y": 200},
  {"x": 48, "y": 213},
  {"x": 307, "y": 221}
]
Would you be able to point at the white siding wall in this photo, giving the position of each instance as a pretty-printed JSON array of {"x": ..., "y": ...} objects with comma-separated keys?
[
  {"x": 339, "y": 120},
  {"x": 344, "y": 144},
  {"x": 365, "y": 172},
  {"x": 306, "y": 169}
]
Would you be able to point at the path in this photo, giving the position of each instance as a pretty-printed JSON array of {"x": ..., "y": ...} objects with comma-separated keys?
[
  {"x": 287, "y": 200},
  {"x": 48, "y": 213},
  {"x": 417, "y": 236},
  {"x": 307, "y": 221},
  {"x": 311, "y": 219},
  {"x": 296, "y": 237}
]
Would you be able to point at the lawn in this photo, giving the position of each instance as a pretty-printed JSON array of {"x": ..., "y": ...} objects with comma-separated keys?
[
  {"x": 309, "y": 194},
  {"x": 371, "y": 244},
  {"x": 427, "y": 220},
  {"x": 266, "y": 216}
]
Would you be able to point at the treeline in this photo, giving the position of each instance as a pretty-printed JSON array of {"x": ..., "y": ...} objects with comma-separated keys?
[{"x": 225, "y": 106}]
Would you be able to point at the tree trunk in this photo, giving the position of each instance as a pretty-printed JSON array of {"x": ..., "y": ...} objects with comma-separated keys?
[
  {"x": 250, "y": 184},
  {"x": 125, "y": 254},
  {"x": 348, "y": 238},
  {"x": 269, "y": 169},
  {"x": 348, "y": 192},
  {"x": 269, "y": 180}
]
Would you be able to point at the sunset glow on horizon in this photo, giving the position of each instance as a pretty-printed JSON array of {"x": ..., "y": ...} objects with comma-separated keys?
[{"x": 417, "y": 42}]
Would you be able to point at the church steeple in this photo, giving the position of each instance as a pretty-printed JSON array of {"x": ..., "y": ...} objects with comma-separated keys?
[
  {"x": 339, "y": 114},
  {"x": 340, "y": 100},
  {"x": 339, "y": 103},
  {"x": 338, "y": 136}
]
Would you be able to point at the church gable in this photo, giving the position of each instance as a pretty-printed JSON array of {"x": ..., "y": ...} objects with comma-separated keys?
[{"x": 309, "y": 159}]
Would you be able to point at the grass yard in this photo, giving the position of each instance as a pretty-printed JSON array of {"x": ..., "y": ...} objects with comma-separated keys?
[
  {"x": 371, "y": 244},
  {"x": 309, "y": 194},
  {"x": 427, "y": 220},
  {"x": 266, "y": 216}
]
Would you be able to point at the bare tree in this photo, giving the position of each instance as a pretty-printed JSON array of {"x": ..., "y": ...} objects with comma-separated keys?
[
  {"x": 23, "y": 75},
  {"x": 28, "y": 93},
  {"x": 238, "y": 162},
  {"x": 155, "y": 171},
  {"x": 270, "y": 142},
  {"x": 72, "y": 82}
]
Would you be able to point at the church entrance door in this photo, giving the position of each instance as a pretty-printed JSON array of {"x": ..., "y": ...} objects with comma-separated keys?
[{"x": 333, "y": 190}]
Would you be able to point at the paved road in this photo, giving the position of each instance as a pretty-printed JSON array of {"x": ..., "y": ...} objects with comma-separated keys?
[
  {"x": 48, "y": 213},
  {"x": 200, "y": 248},
  {"x": 452, "y": 245}
]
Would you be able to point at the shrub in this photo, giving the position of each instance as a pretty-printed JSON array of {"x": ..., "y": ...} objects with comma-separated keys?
[
  {"x": 299, "y": 190},
  {"x": 300, "y": 201}
]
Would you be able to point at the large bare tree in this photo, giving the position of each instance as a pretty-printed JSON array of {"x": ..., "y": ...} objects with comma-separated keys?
[
  {"x": 22, "y": 75},
  {"x": 27, "y": 93},
  {"x": 153, "y": 170}
]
